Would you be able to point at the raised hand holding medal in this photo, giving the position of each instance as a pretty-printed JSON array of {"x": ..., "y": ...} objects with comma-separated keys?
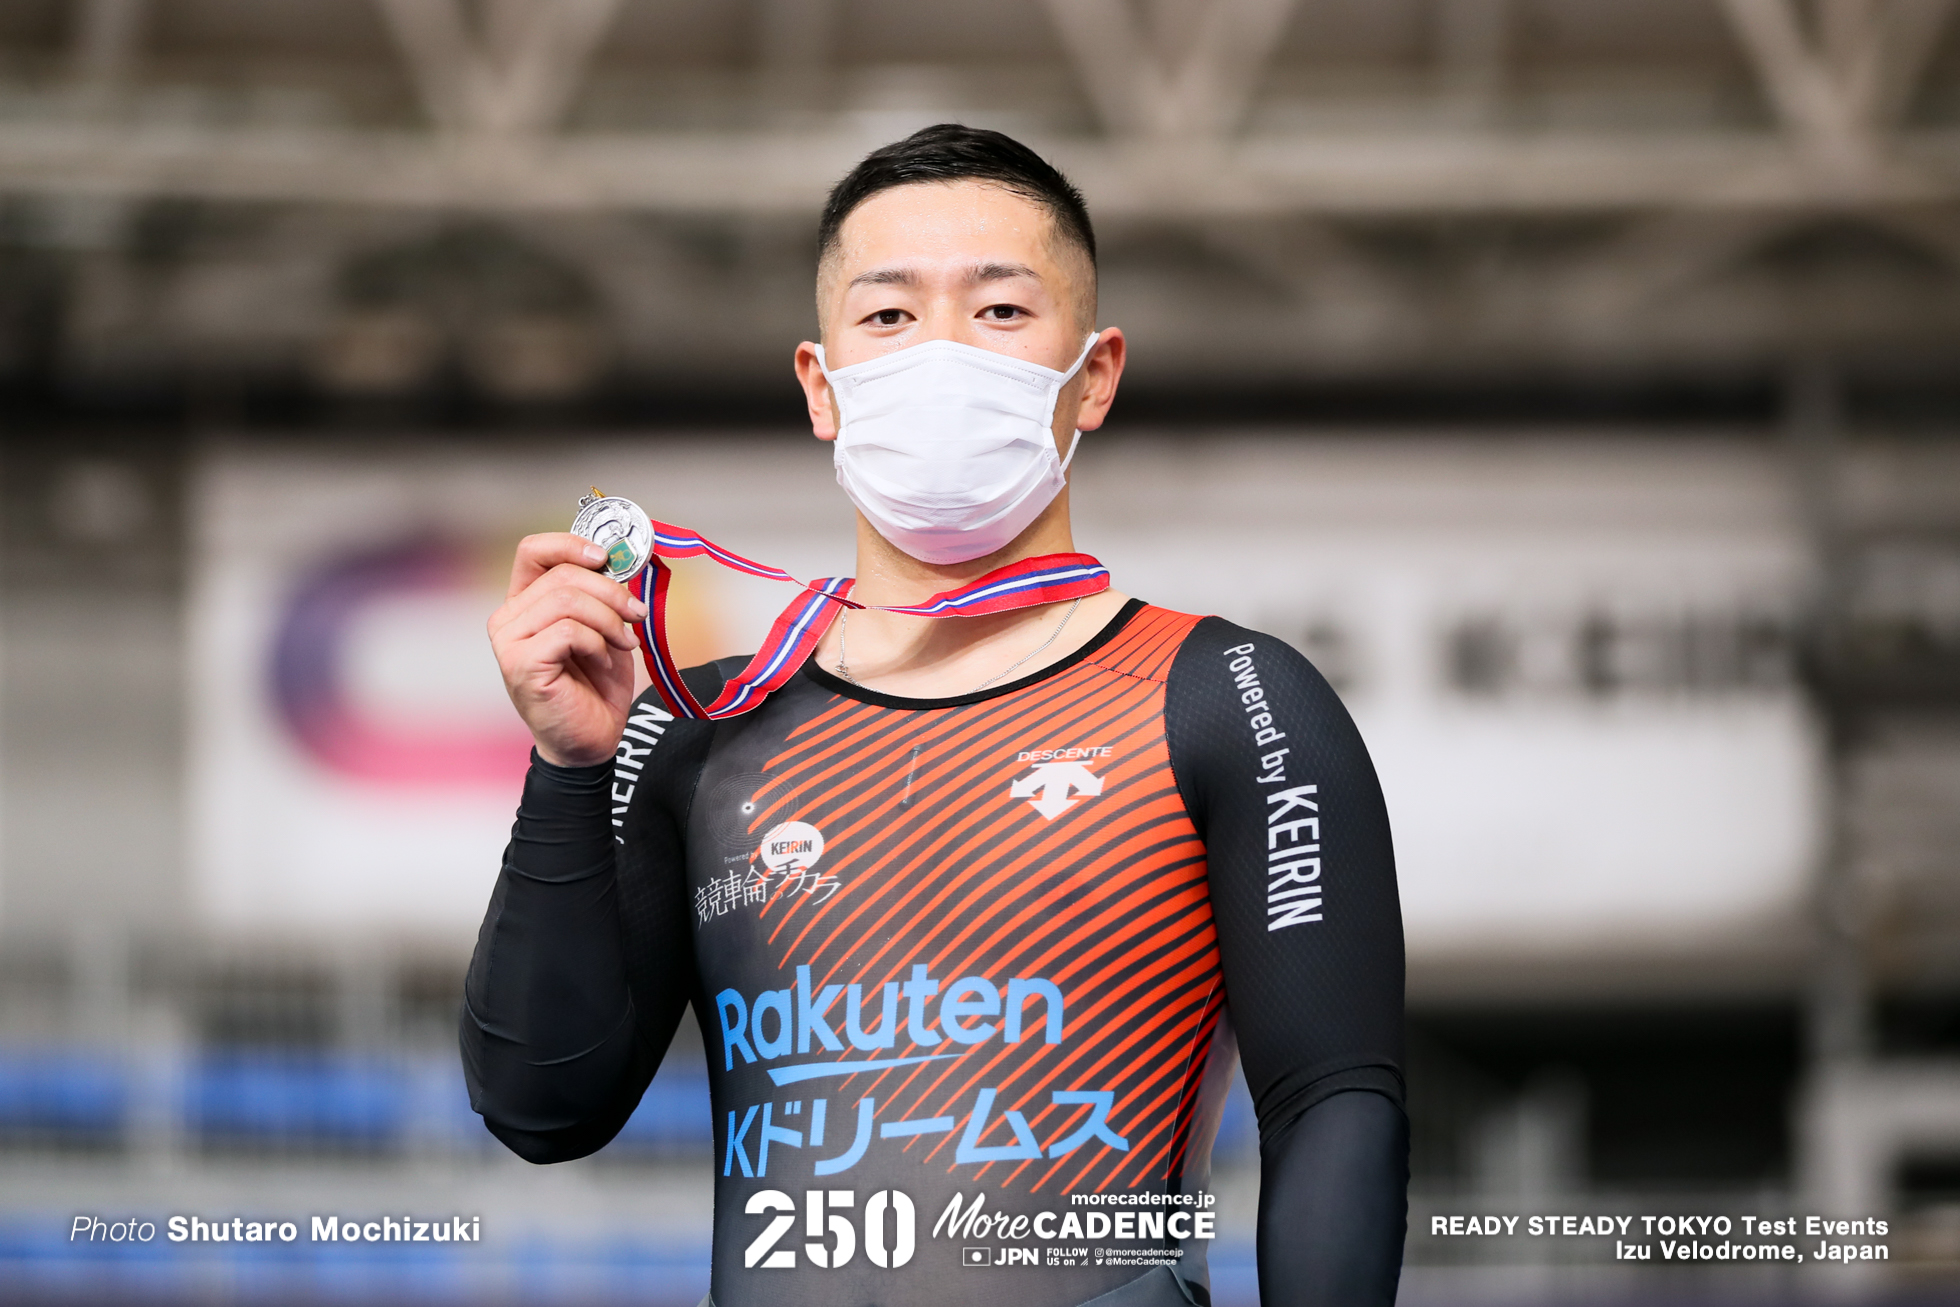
[
  {"x": 581, "y": 601},
  {"x": 563, "y": 638},
  {"x": 634, "y": 549}
]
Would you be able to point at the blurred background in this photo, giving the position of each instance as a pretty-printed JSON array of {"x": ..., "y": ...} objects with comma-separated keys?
[{"x": 1577, "y": 382}]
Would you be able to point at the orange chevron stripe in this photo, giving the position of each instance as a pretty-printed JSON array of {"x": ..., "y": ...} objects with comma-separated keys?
[
  {"x": 1163, "y": 1039},
  {"x": 936, "y": 776},
  {"x": 1027, "y": 912},
  {"x": 1012, "y": 810},
  {"x": 1201, "y": 935},
  {"x": 1155, "y": 1000},
  {"x": 1139, "y": 1116},
  {"x": 1154, "y": 636},
  {"x": 1112, "y": 1005},
  {"x": 1109, "y": 900}
]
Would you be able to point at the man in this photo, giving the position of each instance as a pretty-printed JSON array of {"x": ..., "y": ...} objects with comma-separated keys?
[{"x": 976, "y": 913}]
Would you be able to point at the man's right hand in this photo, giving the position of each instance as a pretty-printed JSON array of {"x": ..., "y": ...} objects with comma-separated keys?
[{"x": 565, "y": 649}]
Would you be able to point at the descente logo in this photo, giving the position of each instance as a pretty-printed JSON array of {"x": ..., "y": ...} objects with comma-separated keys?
[
  {"x": 1059, "y": 777},
  {"x": 1073, "y": 754}
]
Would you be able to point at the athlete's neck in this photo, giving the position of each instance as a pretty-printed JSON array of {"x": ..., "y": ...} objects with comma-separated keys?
[
  {"x": 932, "y": 658},
  {"x": 888, "y": 575}
]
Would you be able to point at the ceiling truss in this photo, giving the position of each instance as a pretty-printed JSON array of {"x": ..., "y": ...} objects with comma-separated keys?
[
  {"x": 496, "y": 91},
  {"x": 1840, "y": 90},
  {"x": 516, "y": 75},
  {"x": 1652, "y": 219}
]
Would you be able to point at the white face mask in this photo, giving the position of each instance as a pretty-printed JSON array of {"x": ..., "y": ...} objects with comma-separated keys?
[{"x": 949, "y": 449}]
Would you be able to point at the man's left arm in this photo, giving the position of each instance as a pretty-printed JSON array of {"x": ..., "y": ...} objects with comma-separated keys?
[{"x": 1302, "y": 879}]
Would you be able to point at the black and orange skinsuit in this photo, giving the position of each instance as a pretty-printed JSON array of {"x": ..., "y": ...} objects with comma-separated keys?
[{"x": 973, "y": 973}]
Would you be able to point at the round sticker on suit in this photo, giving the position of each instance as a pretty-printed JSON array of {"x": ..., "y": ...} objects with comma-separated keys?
[{"x": 792, "y": 846}]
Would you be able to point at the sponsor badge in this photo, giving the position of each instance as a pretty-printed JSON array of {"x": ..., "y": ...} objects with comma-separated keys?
[{"x": 792, "y": 846}]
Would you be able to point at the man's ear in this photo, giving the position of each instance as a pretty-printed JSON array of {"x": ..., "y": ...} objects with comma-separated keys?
[
  {"x": 1100, "y": 372},
  {"x": 817, "y": 394}
]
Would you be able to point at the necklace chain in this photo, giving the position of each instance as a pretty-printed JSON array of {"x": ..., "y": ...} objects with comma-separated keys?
[{"x": 844, "y": 665}]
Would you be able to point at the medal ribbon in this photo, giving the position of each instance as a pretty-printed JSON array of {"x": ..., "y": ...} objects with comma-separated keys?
[{"x": 795, "y": 633}]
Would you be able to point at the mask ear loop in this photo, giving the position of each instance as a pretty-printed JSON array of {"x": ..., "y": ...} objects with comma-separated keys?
[
  {"x": 1067, "y": 377},
  {"x": 823, "y": 366},
  {"x": 1081, "y": 358}
]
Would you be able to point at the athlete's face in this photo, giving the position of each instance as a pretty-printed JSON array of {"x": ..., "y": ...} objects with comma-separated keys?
[{"x": 964, "y": 261}]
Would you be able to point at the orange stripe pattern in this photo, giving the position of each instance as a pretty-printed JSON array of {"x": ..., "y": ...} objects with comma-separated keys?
[{"x": 944, "y": 865}]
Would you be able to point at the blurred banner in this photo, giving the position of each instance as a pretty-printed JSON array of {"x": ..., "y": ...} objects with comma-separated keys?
[
  {"x": 1571, "y": 659},
  {"x": 355, "y": 759}
]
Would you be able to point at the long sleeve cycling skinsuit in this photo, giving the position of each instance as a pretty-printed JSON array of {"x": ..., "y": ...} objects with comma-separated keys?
[{"x": 973, "y": 973}]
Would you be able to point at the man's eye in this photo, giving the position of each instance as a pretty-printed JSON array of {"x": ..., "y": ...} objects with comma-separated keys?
[
  {"x": 888, "y": 317},
  {"x": 1002, "y": 312}
]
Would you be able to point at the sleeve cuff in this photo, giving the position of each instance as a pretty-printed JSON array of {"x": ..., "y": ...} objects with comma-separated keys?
[{"x": 577, "y": 779}]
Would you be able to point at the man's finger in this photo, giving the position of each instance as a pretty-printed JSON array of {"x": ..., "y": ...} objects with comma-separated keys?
[
  {"x": 561, "y": 604},
  {"x": 538, "y": 554},
  {"x": 569, "y": 577},
  {"x": 562, "y": 645}
]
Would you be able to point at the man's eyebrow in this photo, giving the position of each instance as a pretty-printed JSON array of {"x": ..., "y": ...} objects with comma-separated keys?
[
  {"x": 977, "y": 275},
  {"x": 986, "y": 272},
  {"x": 886, "y": 277}
]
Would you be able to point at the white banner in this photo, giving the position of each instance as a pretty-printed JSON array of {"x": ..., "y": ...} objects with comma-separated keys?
[{"x": 1569, "y": 658}]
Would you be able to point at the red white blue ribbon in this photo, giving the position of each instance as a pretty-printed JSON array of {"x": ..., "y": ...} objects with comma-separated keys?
[{"x": 794, "y": 635}]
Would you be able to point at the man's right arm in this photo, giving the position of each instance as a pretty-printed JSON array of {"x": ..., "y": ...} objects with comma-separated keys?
[
  {"x": 582, "y": 966},
  {"x": 584, "y": 962}
]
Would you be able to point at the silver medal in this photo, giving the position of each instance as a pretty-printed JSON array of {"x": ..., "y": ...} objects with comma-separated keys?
[{"x": 619, "y": 527}]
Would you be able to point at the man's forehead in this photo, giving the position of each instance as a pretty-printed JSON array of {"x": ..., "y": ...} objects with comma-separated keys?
[
  {"x": 983, "y": 232},
  {"x": 965, "y": 222}
]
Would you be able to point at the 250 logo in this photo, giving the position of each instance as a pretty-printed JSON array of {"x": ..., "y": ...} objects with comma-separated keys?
[{"x": 832, "y": 1238}]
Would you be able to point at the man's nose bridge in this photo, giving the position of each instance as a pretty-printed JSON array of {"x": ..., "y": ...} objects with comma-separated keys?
[{"x": 947, "y": 317}]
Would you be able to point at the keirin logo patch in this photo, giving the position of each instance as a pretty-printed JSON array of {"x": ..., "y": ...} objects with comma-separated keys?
[
  {"x": 792, "y": 846},
  {"x": 789, "y": 855}
]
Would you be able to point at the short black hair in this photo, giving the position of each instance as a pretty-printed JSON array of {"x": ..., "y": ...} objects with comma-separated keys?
[{"x": 953, "y": 152}]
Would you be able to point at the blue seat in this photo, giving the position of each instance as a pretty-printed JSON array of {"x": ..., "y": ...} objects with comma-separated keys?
[
  {"x": 62, "y": 1092},
  {"x": 319, "y": 1098}
]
